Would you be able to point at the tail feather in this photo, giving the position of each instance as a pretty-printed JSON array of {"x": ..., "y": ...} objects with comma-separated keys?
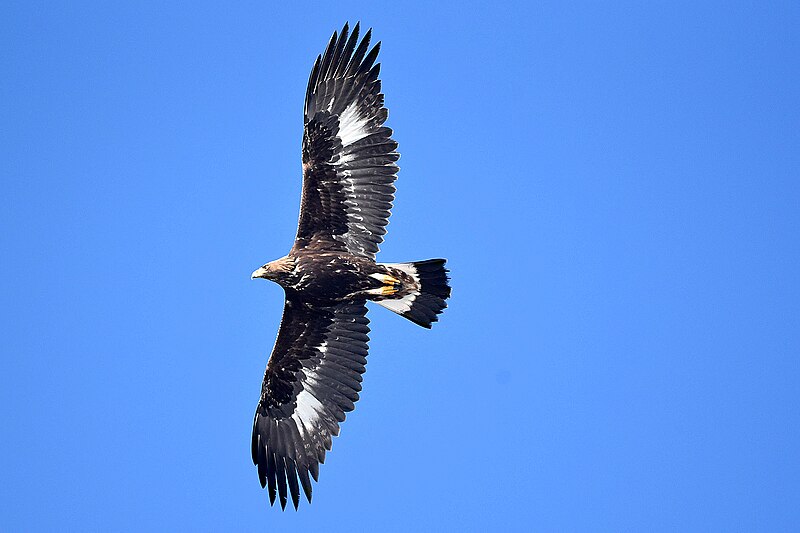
[{"x": 421, "y": 306}]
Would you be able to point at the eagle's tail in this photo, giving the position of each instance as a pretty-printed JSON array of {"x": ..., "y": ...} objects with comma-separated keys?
[{"x": 422, "y": 304}]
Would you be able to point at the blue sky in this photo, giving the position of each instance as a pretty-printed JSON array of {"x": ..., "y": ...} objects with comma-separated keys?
[{"x": 615, "y": 186}]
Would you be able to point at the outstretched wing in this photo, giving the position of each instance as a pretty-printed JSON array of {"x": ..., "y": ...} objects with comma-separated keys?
[
  {"x": 348, "y": 155},
  {"x": 313, "y": 378}
]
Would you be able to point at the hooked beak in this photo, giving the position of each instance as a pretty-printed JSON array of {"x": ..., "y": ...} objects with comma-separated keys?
[{"x": 259, "y": 273}]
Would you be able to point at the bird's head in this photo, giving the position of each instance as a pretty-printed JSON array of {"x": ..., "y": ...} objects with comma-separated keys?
[{"x": 274, "y": 269}]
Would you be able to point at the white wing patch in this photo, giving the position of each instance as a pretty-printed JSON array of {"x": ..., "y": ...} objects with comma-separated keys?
[
  {"x": 352, "y": 126},
  {"x": 308, "y": 406}
]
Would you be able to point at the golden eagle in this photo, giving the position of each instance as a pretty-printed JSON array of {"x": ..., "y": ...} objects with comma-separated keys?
[{"x": 314, "y": 373}]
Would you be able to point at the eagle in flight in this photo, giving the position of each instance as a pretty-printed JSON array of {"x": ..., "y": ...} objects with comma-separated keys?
[{"x": 314, "y": 373}]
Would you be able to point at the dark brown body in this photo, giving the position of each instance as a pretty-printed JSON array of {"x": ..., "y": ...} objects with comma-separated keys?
[{"x": 321, "y": 278}]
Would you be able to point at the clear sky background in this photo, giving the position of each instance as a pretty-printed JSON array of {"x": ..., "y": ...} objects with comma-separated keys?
[{"x": 615, "y": 186}]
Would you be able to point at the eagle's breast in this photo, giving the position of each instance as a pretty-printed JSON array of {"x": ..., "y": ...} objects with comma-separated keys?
[{"x": 328, "y": 278}]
